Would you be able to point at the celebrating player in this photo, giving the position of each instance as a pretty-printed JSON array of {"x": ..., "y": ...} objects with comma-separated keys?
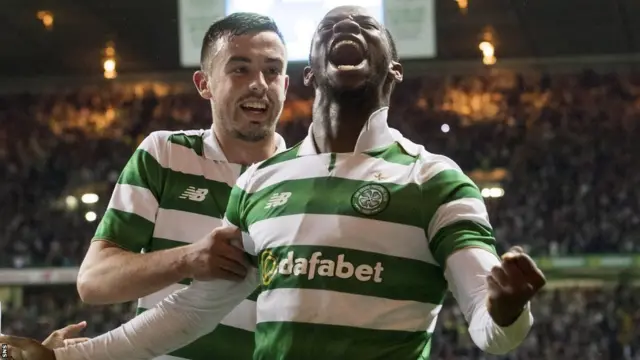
[
  {"x": 174, "y": 190},
  {"x": 359, "y": 234}
]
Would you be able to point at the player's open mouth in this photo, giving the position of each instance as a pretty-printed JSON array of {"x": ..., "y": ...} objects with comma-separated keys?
[
  {"x": 255, "y": 107},
  {"x": 347, "y": 55}
]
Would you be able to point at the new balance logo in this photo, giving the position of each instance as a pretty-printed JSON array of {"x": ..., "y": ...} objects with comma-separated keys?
[
  {"x": 278, "y": 199},
  {"x": 194, "y": 194}
]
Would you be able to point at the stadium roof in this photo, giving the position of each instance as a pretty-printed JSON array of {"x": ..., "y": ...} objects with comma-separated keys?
[{"x": 146, "y": 32}]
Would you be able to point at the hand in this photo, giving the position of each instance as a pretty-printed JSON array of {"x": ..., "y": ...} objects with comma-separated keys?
[
  {"x": 66, "y": 336},
  {"x": 215, "y": 257},
  {"x": 26, "y": 349},
  {"x": 511, "y": 285}
]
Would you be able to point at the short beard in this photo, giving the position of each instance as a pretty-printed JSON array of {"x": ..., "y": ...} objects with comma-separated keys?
[
  {"x": 362, "y": 94},
  {"x": 251, "y": 136}
]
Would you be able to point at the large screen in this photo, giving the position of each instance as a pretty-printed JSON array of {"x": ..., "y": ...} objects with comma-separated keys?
[{"x": 412, "y": 23}]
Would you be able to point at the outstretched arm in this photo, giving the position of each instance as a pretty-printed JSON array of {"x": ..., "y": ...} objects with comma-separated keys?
[
  {"x": 493, "y": 293},
  {"x": 178, "y": 320}
]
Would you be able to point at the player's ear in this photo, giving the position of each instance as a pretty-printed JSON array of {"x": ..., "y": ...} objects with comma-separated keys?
[
  {"x": 308, "y": 76},
  {"x": 286, "y": 83},
  {"x": 202, "y": 84},
  {"x": 396, "y": 71}
]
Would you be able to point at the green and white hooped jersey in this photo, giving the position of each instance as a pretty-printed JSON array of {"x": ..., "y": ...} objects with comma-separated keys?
[
  {"x": 174, "y": 190},
  {"x": 351, "y": 247}
]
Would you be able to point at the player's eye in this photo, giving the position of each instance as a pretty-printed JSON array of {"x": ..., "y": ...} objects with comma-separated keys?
[
  {"x": 326, "y": 26},
  {"x": 240, "y": 70},
  {"x": 273, "y": 71},
  {"x": 368, "y": 25}
]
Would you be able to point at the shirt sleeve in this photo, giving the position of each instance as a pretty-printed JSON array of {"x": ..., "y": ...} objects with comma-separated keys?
[
  {"x": 466, "y": 272},
  {"x": 461, "y": 240},
  {"x": 130, "y": 216},
  {"x": 455, "y": 214},
  {"x": 175, "y": 322}
]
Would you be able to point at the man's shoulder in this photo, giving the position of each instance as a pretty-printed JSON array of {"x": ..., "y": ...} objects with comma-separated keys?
[
  {"x": 163, "y": 139},
  {"x": 176, "y": 136},
  {"x": 425, "y": 158},
  {"x": 278, "y": 158},
  {"x": 428, "y": 164},
  {"x": 258, "y": 172},
  {"x": 440, "y": 170}
]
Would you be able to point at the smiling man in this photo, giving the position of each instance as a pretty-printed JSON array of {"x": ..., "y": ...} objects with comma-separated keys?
[
  {"x": 359, "y": 235},
  {"x": 154, "y": 236}
]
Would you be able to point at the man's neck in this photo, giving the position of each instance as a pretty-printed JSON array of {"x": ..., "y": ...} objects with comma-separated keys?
[
  {"x": 243, "y": 152},
  {"x": 337, "y": 123}
]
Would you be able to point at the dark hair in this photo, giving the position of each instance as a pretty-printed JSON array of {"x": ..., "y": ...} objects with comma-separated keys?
[{"x": 239, "y": 23}]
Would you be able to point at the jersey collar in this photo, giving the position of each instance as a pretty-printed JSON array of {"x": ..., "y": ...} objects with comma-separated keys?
[
  {"x": 213, "y": 151},
  {"x": 375, "y": 134}
]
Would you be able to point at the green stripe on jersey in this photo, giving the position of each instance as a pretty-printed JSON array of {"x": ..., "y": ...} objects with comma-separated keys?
[
  {"x": 170, "y": 195},
  {"x": 213, "y": 205},
  {"x": 340, "y": 290},
  {"x": 296, "y": 341},
  {"x": 401, "y": 209},
  {"x": 445, "y": 187},
  {"x": 352, "y": 271},
  {"x": 234, "y": 343},
  {"x": 286, "y": 155},
  {"x": 144, "y": 170},
  {"x": 193, "y": 142},
  {"x": 127, "y": 230},
  {"x": 460, "y": 235},
  {"x": 393, "y": 154}
]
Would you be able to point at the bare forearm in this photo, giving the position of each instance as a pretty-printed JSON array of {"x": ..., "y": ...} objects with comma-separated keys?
[{"x": 122, "y": 276}]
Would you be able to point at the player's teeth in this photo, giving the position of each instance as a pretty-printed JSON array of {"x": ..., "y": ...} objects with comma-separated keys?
[
  {"x": 347, "y": 42},
  {"x": 346, "y": 67},
  {"x": 255, "y": 105}
]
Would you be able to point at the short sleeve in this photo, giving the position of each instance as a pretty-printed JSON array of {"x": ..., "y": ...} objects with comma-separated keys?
[
  {"x": 455, "y": 215},
  {"x": 130, "y": 216}
]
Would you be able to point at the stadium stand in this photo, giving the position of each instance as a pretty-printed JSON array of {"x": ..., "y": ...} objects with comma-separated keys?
[{"x": 556, "y": 155}]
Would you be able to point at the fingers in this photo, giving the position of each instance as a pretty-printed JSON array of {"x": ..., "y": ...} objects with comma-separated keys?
[
  {"x": 516, "y": 249},
  {"x": 521, "y": 271},
  {"x": 223, "y": 237},
  {"x": 532, "y": 273},
  {"x": 231, "y": 270},
  {"x": 512, "y": 270},
  {"x": 227, "y": 233},
  {"x": 234, "y": 254},
  {"x": 73, "y": 341},
  {"x": 14, "y": 353},
  {"x": 499, "y": 276},
  {"x": 16, "y": 341},
  {"x": 72, "y": 330},
  {"x": 492, "y": 282}
]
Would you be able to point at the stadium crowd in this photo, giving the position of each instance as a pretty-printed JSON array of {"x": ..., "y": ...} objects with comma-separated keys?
[{"x": 563, "y": 148}]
